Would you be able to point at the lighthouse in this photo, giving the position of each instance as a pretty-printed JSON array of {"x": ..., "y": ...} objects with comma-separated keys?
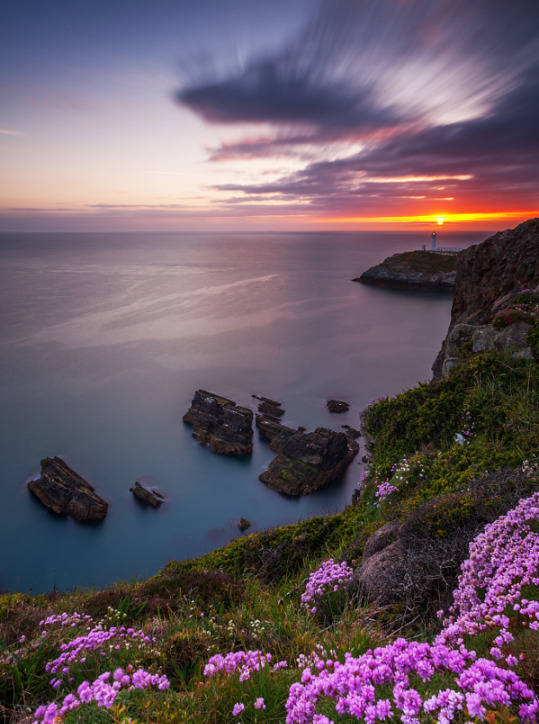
[{"x": 433, "y": 241}]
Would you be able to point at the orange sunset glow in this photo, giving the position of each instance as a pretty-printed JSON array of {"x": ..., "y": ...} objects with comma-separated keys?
[{"x": 481, "y": 219}]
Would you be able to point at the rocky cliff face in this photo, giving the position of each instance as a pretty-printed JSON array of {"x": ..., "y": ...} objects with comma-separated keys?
[{"x": 490, "y": 307}]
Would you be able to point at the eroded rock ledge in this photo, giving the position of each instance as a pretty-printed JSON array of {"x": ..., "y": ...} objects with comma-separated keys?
[
  {"x": 420, "y": 270},
  {"x": 65, "y": 492},
  {"x": 226, "y": 427},
  {"x": 308, "y": 461}
]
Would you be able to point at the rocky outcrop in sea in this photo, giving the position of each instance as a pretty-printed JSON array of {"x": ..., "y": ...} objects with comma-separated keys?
[
  {"x": 308, "y": 461},
  {"x": 419, "y": 270},
  {"x": 65, "y": 492},
  {"x": 217, "y": 421},
  {"x": 337, "y": 406},
  {"x": 493, "y": 307},
  {"x": 147, "y": 495}
]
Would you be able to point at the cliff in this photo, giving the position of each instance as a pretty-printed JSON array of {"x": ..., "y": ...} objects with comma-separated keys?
[
  {"x": 420, "y": 270},
  {"x": 495, "y": 306}
]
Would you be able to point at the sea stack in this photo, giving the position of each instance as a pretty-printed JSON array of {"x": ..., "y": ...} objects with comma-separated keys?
[
  {"x": 308, "y": 461},
  {"x": 226, "y": 427},
  {"x": 433, "y": 271},
  {"x": 65, "y": 492}
]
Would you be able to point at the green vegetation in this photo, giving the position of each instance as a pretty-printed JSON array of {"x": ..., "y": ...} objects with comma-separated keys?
[
  {"x": 480, "y": 421},
  {"x": 422, "y": 261}
]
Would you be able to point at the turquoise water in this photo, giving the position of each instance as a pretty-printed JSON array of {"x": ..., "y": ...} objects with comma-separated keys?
[{"x": 105, "y": 337}]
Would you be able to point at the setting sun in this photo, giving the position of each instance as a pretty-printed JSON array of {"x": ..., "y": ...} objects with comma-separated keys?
[{"x": 440, "y": 220}]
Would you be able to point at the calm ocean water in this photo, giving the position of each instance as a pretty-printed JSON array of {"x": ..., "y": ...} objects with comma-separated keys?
[{"x": 104, "y": 339}]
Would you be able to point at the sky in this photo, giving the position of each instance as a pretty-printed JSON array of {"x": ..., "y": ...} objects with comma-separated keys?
[{"x": 229, "y": 115}]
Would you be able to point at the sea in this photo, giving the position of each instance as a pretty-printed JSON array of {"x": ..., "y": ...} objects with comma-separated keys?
[{"x": 104, "y": 340}]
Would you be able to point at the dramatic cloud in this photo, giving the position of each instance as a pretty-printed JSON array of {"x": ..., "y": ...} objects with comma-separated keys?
[{"x": 442, "y": 97}]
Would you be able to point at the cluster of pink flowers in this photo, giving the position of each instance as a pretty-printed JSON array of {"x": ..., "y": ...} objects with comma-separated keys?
[
  {"x": 238, "y": 708},
  {"x": 100, "y": 691},
  {"x": 503, "y": 559},
  {"x": 77, "y": 649},
  {"x": 328, "y": 578},
  {"x": 64, "y": 619},
  {"x": 245, "y": 661},
  {"x": 353, "y": 684},
  {"x": 383, "y": 490}
]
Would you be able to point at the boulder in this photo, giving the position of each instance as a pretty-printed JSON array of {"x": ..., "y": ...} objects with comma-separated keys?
[
  {"x": 337, "y": 406},
  {"x": 308, "y": 461},
  {"x": 226, "y": 427},
  {"x": 380, "y": 539},
  {"x": 377, "y": 573},
  {"x": 419, "y": 270},
  {"x": 65, "y": 492},
  {"x": 147, "y": 495}
]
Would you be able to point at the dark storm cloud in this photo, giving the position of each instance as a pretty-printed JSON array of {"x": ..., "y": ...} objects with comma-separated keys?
[{"x": 273, "y": 92}]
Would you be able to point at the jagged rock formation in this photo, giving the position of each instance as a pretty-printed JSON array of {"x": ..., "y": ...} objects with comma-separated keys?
[
  {"x": 337, "y": 406},
  {"x": 225, "y": 426},
  {"x": 486, "y": 313},
  {"x": 420, "y": 270},
  {"x": 147, "y": 495},
  {"x": 308, "y": 461},
  {"x": 65, "y": 492},
  {"x": 273, "y": 432}
]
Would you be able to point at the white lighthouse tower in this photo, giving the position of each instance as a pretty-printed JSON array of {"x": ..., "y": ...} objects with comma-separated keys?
[{"x": 433, "y": 241}]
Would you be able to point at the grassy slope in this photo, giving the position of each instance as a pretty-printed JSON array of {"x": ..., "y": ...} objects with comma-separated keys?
[{"x": 251, "y": 587}]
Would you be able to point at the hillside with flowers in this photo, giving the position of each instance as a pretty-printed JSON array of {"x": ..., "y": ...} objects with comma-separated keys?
[{"x": 417, "y": 603}]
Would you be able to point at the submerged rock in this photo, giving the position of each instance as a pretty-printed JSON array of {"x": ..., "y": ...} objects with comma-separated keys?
[
  {"x": 150, "y": 496},
  {"x": 308, "y": 461},
  {"x": 337, "y": 406},
  {"x": 65, "y": 492},
  {"x": 420, "y": 270},
  {"x": 225, "y": 426}
]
